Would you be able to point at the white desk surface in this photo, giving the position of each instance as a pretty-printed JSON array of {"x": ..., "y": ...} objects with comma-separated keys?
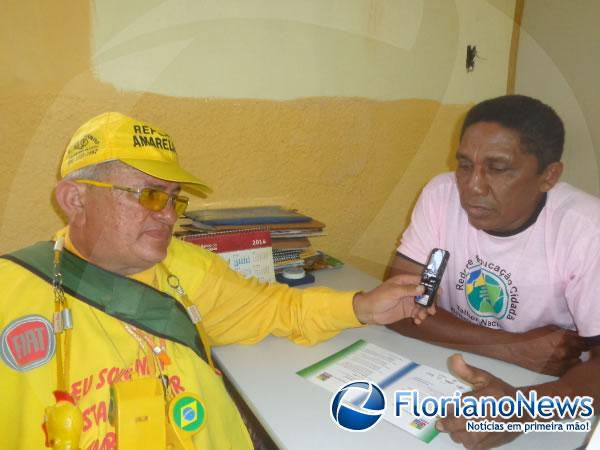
[{"x": 295, "y": 412}]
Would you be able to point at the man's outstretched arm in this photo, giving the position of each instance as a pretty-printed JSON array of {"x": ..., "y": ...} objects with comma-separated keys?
[{"x": 551, "y": 350}]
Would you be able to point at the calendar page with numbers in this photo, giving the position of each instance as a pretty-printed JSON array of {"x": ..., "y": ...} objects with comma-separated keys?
[{"x": 249, "y": 252}]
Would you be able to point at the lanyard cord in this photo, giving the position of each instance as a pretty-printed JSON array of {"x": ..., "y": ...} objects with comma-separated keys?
[
  {"x": 193, "y": 313},
  {"x": 158, "y": 351},
  {"x": 62, "y": 321},
  {"x": 158, "y": 357}
]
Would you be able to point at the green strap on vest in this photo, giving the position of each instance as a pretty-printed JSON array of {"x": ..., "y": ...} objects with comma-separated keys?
[{"x": 128, "y": 300}]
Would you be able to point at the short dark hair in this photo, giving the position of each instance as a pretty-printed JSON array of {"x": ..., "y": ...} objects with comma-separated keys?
[{"x": 540, "y": 130}]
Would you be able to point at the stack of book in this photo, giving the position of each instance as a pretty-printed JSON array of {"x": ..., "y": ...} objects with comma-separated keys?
[{"x": 290, "y": 230}]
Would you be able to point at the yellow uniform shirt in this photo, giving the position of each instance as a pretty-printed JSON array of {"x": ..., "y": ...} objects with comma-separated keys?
[{"x": 234, "y": 310}]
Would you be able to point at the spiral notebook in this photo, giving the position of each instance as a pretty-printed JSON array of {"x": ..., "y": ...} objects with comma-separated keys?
[{"x": 248, "y": 252}]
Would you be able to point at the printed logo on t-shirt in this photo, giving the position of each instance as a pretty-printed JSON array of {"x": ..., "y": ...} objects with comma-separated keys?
[
  {"x": 27, "y": 342},
  {"x": 486, "y": 293},
  {"x": 489, "y": 293}
]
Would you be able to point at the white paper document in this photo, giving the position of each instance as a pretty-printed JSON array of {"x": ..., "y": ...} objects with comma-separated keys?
[{"x": 391, "y": 372}]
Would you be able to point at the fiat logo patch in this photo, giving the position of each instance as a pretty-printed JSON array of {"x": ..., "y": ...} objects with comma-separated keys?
[{"x": 27, "y": 343}]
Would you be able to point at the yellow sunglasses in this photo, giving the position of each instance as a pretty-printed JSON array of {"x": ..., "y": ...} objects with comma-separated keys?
[{"x": 149, "y": 198}]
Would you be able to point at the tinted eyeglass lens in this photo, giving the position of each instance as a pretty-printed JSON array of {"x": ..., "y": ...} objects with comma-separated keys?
[
  {"x": 156, "y": 200},
  {"x": 181, "y": 204},
  {"x": 153, "y": 200}
]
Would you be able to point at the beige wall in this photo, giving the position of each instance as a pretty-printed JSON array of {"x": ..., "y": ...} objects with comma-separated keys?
[
  {"x": 558, "y": 63},
  {"x": 282, "y": 49},
  {"x": 340, "y": 109}
]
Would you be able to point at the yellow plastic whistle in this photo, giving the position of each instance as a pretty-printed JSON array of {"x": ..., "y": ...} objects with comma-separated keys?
[{"x": 63, "y": 423}]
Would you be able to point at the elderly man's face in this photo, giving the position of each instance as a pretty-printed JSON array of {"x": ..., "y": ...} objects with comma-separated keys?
[
  {"x": 498, "y": 183},
  {"x": 118, "y": 233}
]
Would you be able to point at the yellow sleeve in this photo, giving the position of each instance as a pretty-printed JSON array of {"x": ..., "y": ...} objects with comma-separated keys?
[{"x": 240, "y": 310}]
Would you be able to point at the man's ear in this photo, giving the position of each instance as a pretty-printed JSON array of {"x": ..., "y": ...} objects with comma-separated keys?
[
  {"x": 70, "y": 196},
  {"x": 551, "y": 175}
]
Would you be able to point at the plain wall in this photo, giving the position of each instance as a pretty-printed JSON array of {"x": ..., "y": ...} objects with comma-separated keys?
[{"x": 558, "y": 63}]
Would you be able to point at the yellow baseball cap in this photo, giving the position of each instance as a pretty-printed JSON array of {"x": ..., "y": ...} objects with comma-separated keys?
[{"x": 113, "y": 136}]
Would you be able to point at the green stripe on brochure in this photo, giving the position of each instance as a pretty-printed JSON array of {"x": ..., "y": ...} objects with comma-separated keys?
[
  {"x": 320, "y": 365},
  {"x": 428, "y": 436}
]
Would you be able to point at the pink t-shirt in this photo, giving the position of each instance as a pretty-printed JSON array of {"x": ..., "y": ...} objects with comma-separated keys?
[{"x": 543, "y": 275}]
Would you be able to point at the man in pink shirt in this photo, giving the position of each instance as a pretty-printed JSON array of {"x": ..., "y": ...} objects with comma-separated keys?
[{"x": 520, "y": 281}]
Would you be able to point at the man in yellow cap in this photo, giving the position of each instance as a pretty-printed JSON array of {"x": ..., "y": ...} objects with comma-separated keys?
[{"x": 117, "y": 318}]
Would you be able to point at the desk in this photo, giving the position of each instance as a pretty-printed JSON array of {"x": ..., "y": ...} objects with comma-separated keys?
[{"x": 295, "y": 412}]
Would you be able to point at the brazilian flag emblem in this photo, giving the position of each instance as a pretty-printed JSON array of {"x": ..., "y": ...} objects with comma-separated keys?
[{"x": 187, "y": 412}]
